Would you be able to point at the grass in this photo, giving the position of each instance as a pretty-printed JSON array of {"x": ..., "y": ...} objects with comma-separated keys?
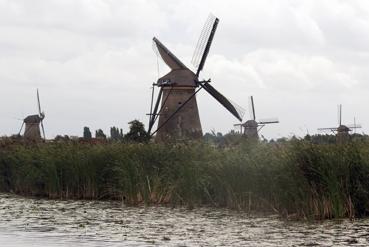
[{"x": 297, "y": 178}]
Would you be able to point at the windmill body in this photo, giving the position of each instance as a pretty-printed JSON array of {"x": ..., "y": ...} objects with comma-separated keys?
[
  {"x": 251, "y": 129},
  {"x": 32, "y": 125},
  {"x": 343, "y": 133},
  {"x": 185, "y": 124},
  {"x": 176, "y": 106},
  {"x": 32, "y": 128}
]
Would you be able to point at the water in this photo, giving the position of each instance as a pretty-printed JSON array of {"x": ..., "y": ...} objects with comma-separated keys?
[{"x": 37, "y": 222}]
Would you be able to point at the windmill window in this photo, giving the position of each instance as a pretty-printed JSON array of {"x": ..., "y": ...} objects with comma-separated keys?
[{"x": 179, "y": 103}]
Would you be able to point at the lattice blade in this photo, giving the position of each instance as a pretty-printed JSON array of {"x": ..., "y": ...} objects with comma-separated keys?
[
  {"x": 252, "y": 108},
  {"x": 331, "y": 129},
  {"x": 204, "y": 42},
  {"x": 339, "y": 114},
  {"x": 153, "y": 115},
  {"x": 38, "y": 103},
  {"x": 354, "y": 126},
  {"x": 268, "y": 121},
  {"x": 43, "y": 130},
  {"x": 21, "y": 128}
]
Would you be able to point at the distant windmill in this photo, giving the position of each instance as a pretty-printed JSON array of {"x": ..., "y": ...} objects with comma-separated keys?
[
  {"x": 342, "y": 131},
  {"x": 251, "y": 127},
  {"x": 32, "y": 123},
  {"x": 178, "y": 114}
]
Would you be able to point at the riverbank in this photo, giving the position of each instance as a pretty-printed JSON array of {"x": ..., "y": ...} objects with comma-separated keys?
[{"x": 296, "y": 178}]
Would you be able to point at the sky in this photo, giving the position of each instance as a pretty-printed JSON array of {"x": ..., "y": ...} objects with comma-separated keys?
[{"x": 93, "y": 62}]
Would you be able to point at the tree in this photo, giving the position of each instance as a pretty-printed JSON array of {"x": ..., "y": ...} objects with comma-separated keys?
[
  {"x": 87, "y": 133},
  {"x": 116, "y": 134},
  {"x": 137, "y": 132},
  {"x": 100, "y": 134}
]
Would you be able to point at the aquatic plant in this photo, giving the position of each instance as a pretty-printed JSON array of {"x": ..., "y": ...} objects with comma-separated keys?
[{"x": 296, "y": 178}]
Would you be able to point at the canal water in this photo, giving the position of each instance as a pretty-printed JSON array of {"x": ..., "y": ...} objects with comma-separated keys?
[{"x": 38, "y": 222}]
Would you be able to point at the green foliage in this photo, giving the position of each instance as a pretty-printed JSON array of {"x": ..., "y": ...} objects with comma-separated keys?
[
  {"x": 100, "y": 134},
  {"x": 87, "y": 133},
  {"x": 116, "y": 134},
  {"x": 295, "y": 178},
  {"x": 137, "y": 132},
  {"x": 60, "y": 138}
]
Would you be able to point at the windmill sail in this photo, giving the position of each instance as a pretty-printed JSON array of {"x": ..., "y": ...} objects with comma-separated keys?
[
  {"x": 268, "y": 120},
  {"x": 168, "y": 57},
  {"x": 238, "y": 112},
  {"x": 21, "y": 128},
  {"x": 41, "y": 114},
  {"x": 252, "y": 108},
  {"x": 339, "y": 114},
  {"x": 203, "y": 45},
  {"x": 332, "y": 129},
  {"x": 153, "y": 115},
  {"x": 43, "y": 130},
  {"x": 353, "y": 126},
  {"x": 38, "y": 102}
]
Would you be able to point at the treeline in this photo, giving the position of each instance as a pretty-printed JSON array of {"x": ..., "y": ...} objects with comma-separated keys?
[
  {"x": 234, "y": 138},
  {"x": 137, "y": 133},
  {"x": 294, "y": 178}
]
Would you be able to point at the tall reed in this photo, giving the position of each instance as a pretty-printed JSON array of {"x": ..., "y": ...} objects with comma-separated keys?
[{"x": 296, "y": 178}]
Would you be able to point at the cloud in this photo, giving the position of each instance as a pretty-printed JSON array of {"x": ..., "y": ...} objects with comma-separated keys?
[{"x": 94, "y": 65}]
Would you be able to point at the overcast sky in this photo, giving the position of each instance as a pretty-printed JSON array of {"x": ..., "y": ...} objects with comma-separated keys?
[{"x": 93, "y": 62}]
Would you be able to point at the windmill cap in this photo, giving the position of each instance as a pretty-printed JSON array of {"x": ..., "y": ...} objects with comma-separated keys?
[
  {"x": 32, "y": 119},
  {"x": 343, "y": 128},
  {"x": 250, "y": 123}
]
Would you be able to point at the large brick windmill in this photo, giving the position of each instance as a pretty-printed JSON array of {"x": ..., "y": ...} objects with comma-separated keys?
[
  {"x": 178, "y": 114},
  {"x": 32, "y": 122}
]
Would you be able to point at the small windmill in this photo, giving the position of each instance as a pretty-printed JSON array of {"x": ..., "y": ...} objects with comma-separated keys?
[
  {"x": 252, "y": 127},
  {"x": 32, "y": 124},
  {"x": 178, "y": 114},
  {"x": 342, "y": 131}
]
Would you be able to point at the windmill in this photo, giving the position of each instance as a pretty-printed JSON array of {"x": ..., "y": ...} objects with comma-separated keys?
[
  {"x": 342, "y": 131},
  {"x": 252, "y": 127},
  {"x": 178, "y": 114},
  {"x": 32, "y": 124}
]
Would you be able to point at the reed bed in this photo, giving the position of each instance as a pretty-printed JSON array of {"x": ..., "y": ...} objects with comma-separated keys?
[{"x": 296, "y": 178}]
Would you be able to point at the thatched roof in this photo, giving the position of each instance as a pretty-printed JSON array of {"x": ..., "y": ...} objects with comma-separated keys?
[{"x": 33, "y": 119}]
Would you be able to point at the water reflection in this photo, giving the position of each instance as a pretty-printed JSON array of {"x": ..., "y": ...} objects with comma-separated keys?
[{"x": 30, "y": 222}]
